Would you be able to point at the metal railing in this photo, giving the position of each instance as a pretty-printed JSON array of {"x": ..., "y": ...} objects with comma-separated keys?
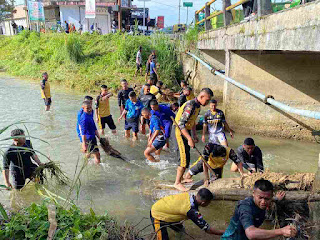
[{"x": 265, "y": 99}]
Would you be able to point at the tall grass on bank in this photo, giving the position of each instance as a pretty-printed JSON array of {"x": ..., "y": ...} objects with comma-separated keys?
[{"x": 84, "y": 62}]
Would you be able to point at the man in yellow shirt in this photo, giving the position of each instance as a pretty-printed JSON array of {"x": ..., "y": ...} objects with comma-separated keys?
[
  {"x": 216, "y": 156},
  {"x": 170, "y": 211},
  {"x": 103, "y": 115},
  {"x": 186, "y": 118},
  {"x": 45, "y": 91}
]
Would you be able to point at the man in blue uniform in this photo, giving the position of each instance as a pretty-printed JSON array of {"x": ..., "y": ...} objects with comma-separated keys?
[{"x": 165, "y": 116}]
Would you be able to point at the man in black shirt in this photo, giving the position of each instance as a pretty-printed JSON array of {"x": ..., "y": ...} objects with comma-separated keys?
[
  {"x": 146, "y": 98},
  {"x": 123, "y": 94},
  {"x": 18, "y": 158},
  {"x": 186, "y": 92},
  {"x": 250, "y": 156}
]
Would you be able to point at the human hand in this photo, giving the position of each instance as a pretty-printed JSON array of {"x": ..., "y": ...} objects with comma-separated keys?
[
  {"x": 149, "y": 143},
  {"x": 41, "y": 164},
  {"x": 191, "y": 143},
  {"x": 119, "y": 119},
  {"x": 203, "y": 138},
  {"x": 289, "y": 231},
  {"x": 280, "y": 195},
  {"x": 97, "y": 119}
]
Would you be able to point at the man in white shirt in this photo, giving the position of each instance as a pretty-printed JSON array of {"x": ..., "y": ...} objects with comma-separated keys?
[{"x": 139, "y": 61}]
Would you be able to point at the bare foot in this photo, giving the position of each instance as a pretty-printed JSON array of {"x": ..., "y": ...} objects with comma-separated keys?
[
  {"x": 180, "y": 187},
  {"x": 134, "y": 139},
  {"x": 187, "y": 180}
]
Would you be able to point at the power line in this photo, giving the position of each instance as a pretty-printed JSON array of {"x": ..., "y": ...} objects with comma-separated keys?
[{"x": 166, "y": 5}]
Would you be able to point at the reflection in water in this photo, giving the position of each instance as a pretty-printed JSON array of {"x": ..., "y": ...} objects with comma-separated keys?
[{"x": 117, "y": 186}]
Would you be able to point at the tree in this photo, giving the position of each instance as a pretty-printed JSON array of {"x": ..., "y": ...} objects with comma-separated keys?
[{"x": 6, "y": 9}]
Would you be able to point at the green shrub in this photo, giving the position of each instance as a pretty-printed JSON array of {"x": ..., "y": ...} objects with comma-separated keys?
[{"x": 74, "y": 48}]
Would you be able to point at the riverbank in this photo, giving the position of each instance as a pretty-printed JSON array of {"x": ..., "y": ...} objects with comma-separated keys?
[{"x": 84, "y": 62}]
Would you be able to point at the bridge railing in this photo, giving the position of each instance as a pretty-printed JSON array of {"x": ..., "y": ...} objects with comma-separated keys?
[{"x": 263, "y": 8}]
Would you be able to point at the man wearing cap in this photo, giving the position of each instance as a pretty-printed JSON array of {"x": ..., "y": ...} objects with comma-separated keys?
[
  {"x": 170, "y": 211},
  {"x": 250, "y": 156},
  {"x": 18, "y": 159}
]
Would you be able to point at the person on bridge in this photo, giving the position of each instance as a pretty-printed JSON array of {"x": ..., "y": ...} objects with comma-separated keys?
[
  {"x": 45, "y": 91},
  {"x": 165, "y": 116},
  {"x": 250, "y": 214},
  {"x": 216, "y": 156},
  {"x": 216, "y": 123},
  {"x": 18, "y": 158},
  {"x": 250, "y": 156},
  {"x": 146, "y": 98},
  {"x": 172, "y": 210},
  {"x": 103, "y": 115},
  {"x": 186, "y": 118},
  {"x": 156, "y": 139}
]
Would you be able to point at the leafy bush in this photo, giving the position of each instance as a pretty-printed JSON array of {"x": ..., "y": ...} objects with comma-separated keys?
[{"x": 32, "y": 223}]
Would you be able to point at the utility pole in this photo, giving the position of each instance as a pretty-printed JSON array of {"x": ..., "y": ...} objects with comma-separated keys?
[
  {"x": 179, "y": 12},
  {"x": 144, "y": 15}
]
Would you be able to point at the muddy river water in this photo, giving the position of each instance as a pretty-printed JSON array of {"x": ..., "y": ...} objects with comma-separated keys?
[{"x": 118, "y": 187}]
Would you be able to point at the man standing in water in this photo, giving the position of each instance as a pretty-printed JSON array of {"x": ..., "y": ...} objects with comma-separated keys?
[
  {"x": 171, "y": 210},
  {"x": 123, "y": 94},
  {"x": 80, "y": 112},
  {"x": 103, "y": 115},
  {"x": 45, "y": 91},
  {"x": 18, "y": 158},
  {"x": 250, "y": 156},
  {"x": 215, "y": 120},
  {"x": 186, "y": 118},
  {"x": 250, "y": 214},
  {"x": 89, "y": 132}
]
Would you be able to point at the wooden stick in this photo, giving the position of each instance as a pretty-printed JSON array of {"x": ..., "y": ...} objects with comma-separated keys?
[{"x": 205, "y": 162}]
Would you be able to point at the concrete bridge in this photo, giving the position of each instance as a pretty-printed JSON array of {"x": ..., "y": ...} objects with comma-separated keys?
[{"x": 278, "y": 55}]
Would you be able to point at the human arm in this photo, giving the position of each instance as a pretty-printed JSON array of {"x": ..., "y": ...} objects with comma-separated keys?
[
  {"x": 233, "y": 156},
  {"x": 204, "y": 128},
  {"x": 5, "y": 174},
  {"x": 36, "y": 159},
  {"x": 43, "y": 84},
  {"x": 259, "y": 162},
  {"x": 120, "y": 100},
  {"x": 124, "y": 112},
  {"x": 196, "y": 217},
  {"x": 153, "y": 137},
  {"x": 227, "y": 128},
  {"x": 206, "y": 174},
  {"x": 194, "y": 133}
]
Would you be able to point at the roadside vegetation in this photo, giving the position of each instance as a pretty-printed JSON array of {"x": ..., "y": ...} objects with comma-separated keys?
[{"x": 83, "y": 62}]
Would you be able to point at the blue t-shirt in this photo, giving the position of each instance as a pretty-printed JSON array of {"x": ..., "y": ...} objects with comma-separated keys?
[
  {"x": 246, "y": 214},
  {"x": 215, "y": 121},
  {"x": 156, "y": 124},
  {"x": 87, "y": 126},
  {"x": 165, "y": 113},
  {"x": 152, "y": 66},
  {"x": 80, "y": 112},
  {"x": 133, "y": 109}
]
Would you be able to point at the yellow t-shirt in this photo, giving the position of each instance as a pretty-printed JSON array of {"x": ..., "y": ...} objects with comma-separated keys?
[
  {"x": 194, "y": 108},
  {"x": 45, "y": 93},
  {"x": 103, "y": 106},
  {"x": 155, "y": 91},
  {"x": 172, "y": 208}
]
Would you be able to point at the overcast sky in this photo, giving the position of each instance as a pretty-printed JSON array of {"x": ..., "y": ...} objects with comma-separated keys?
[{"x": 169, "y": 9}]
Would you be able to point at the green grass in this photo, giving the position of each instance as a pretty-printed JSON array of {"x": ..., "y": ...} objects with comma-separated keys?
[
  {"x": 83, "y": 62},
  {"x": 32, "y": 223}
]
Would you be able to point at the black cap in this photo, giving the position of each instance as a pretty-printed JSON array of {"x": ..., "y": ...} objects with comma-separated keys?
[{"x": 249, "y": 141}]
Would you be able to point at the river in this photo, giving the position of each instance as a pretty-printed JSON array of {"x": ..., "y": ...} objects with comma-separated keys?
[{"x": 118, "y": 187}]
